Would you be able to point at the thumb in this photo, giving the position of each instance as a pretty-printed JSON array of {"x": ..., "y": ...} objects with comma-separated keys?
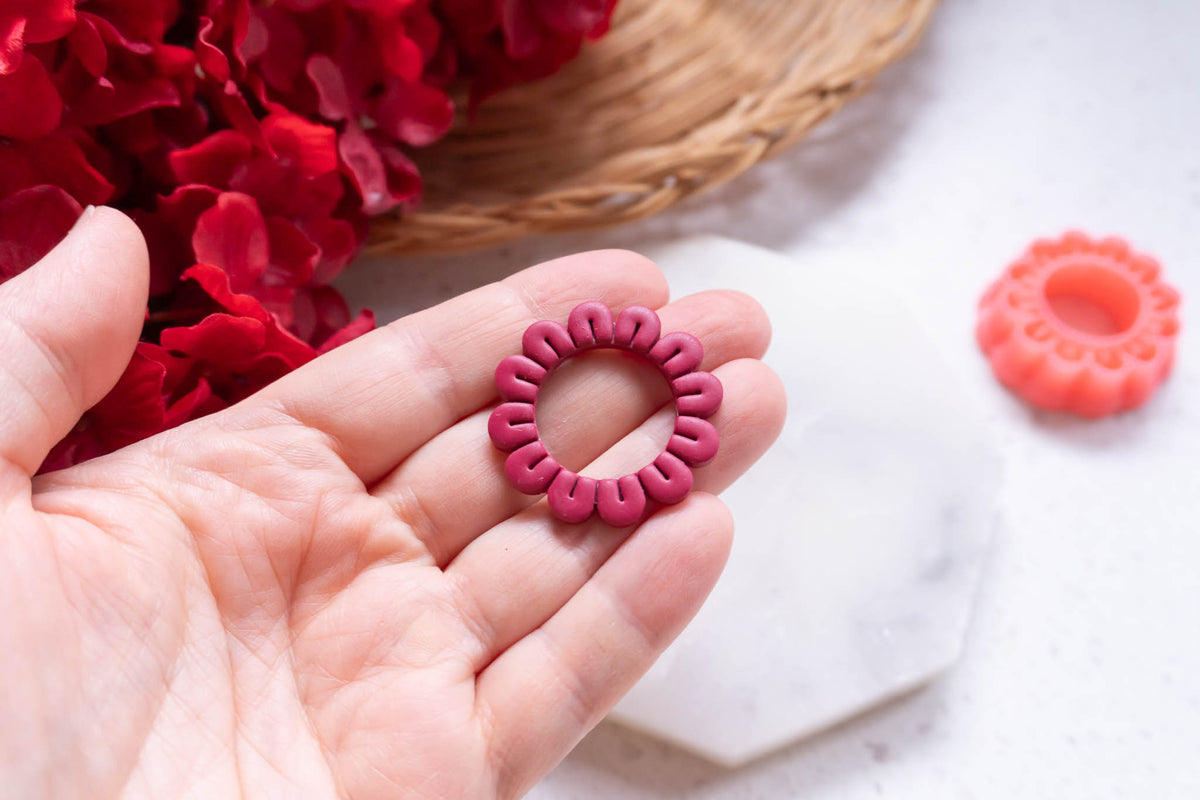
[{"x": 68, "y": 326}]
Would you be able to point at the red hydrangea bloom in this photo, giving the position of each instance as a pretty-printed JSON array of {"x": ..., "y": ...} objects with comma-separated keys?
[
  {"x": 250, "y": 140},
  {"x": 234, "y": 344},
  {"x": 502, "y": 42},
  {"x": 370, "y": 70},
  {"x": 285, "y": 190}
]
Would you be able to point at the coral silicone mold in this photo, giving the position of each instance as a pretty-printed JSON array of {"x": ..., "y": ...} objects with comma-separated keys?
[
  {"x": 1081, "y": 325},
  {"x": 620, "y": 501}
]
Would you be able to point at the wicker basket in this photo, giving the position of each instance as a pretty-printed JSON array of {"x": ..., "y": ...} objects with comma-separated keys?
[{"x": 680, "y": 97}]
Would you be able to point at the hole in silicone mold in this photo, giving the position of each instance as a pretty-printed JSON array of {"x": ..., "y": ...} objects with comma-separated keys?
[
  {"x": 593, "y": 401},
  {"x": 1092, "y": 299}
]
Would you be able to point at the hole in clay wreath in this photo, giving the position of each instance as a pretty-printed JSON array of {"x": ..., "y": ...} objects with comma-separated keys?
[
  {"x": 593, "y": 400},
  {"x": 1092, "y": 299}
]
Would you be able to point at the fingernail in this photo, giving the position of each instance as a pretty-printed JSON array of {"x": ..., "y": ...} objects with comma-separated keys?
[{"x": 84, "y": 218}]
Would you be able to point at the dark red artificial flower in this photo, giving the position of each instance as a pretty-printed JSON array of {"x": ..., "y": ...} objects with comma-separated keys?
[
  {"x": 359, "y": 66},
  {"x": 238, "y": 345},
  {"x": 502, "y": 42},
  {"x": 250, "y": 140}
]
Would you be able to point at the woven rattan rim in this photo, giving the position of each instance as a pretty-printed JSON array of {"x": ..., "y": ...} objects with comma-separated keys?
[{"x": 680, "y": 97}]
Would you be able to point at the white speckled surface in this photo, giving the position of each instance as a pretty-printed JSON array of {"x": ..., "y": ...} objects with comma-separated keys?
[{"x": 1081, "y": 677}]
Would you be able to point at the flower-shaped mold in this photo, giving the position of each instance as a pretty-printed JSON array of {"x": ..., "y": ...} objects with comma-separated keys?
[
  {"x": 619, "y": 501},
  {"x": 1081, "y": 325}
]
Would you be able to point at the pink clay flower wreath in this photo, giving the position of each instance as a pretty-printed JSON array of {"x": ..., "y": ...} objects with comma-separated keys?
[{"x": 619, "y": 501}]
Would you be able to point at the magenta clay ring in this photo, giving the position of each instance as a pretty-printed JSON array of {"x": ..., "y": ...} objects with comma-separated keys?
[{"x": 620, "y": 501}]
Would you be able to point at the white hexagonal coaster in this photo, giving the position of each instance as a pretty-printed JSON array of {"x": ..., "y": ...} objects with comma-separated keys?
[{"x": 860, "y": 535}]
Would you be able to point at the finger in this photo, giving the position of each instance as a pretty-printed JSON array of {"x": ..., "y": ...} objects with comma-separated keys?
[
  {"x": 381, "y": 396},
  {"x": 513, "y": 578},
  {"x": 596, "y": 406},
  {"x": 544, "y": 693},
  {"x": 68, "y": 326}
]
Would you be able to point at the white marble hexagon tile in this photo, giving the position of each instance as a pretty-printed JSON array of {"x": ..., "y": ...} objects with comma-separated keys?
[{"x": 859, "y": 535}]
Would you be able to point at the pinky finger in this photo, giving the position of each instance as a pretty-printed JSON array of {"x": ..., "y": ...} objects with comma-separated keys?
[{"x": 545, "y": 692}]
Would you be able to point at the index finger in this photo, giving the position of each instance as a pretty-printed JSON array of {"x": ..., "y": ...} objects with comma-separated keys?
[{"x": 381, "y": 396}]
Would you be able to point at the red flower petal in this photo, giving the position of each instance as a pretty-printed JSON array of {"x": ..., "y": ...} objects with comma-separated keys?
[
  {"x": 86, "y": 44},
  {"x": 282, "y": 57},
  {"x": 132, "y": 410},
  {"x": 55, "y": 160},
  {"x": 323, "y": 318},
  {"x": 117, "y": 98},
  {"x": 337, "y": 242},
  {"x": 310, "y": 146},
  {"x": 32, "y": 222},
  {"x": 12, "y": 43},
  {"x": 186, "y": 393},
  {"x": 384, "y": 176},
  {"x": 174, "y": 62},
  {"x": 332, "y": 96},
  {"x": 523, "y": 29},
  {"x": 236, "y": 352},
  {"x": 168, "y": 231},
  {"x": 222, "y": 338},
  {"x": 197, "y": 403},
  {"x": 443, "y": 67},
  {"x": 30, "y": 106},
  {"x": 232, "y": 18},
  {"x": 281, "y": 190},
  {"x": 233, "y": 107},
  {"x": 293, "y": 255},
  {"x": 423, "y": 28},
  {"x": 182, "y": 207},
  {"x": 257, "y": 37},
  {"x": 116, "y": 36},
  {"x": 232, "y": 235},
  {"x": 363, "y": 323},
  {"x": 280, "y": 348},
  {"x": 414, "y": 113},
  {"x": 404, "y": 181},
  {"x": 209, "y": 56},
  {"x": 212, "y": 161},
  {"x": 17, "y": 170},
  {"x": 381, "y": 8},
  {"x": 573, "y": 17},
  {"x": 401, "y": 55},
  {"x": 45, "y": 20},
  {"x": 366, "y": 169},
  {"x": 319, "y": 311},
  {"x": 177, "y": 370},
  {"x": 79, "y": 445},
  {"x": 137, "y": 20},
  {"x": 471, "y": 20}
]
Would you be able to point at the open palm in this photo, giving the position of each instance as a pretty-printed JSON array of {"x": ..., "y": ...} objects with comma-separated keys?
[{"x": 329, "y": 590}]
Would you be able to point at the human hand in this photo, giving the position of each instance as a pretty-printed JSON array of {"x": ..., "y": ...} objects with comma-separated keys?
[{"x": 329, "y": 589}]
